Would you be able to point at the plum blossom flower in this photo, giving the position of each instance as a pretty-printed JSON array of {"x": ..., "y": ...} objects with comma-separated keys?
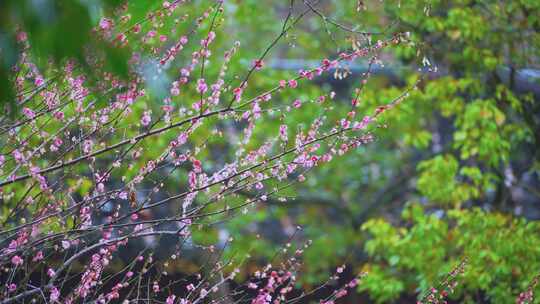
[
  {"x": 17, "y": 260},
  {"x": 38, "y": 256},
  {"x": 170, "y": 299},
  {"x": 204, "y": 292},
  {"x": 55, "y": 294},
  {"x": 12, "y": 287},
  {"x": 39, "y": 81},
  {"x": 22, "y": 36},
  {"x": 293, "y": 83},
  {"x": 201, "y": 86},
  {"x": 87, "y": 146},
  {"x": 146, "y": 119},
  {"x": 238, "y": 93},
  {"x": 105, "y": 24},
  {"x": 57, "y": 142},
  {"x": 362, "y": 124},
  {"x": 51, "y": 272},
  {"x": 28, "y": 113},
  {"x": 258, "y": 64},
  {"x": 283, "y": 132},
  {"x": 175, "y": 90},
  {"x": 341, "y": 293},
  {"x": 59, "y": 115},
  {"x": 123, "y": 195},
  {"x": 182, "y": 138},
  {"x": 256, "y": 110}
]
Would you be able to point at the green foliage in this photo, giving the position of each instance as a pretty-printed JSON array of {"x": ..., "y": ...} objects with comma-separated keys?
[
  {"x": 382, "y": 286},
  {"x": 437, "y": 179},
  {"x": 479, "y": 132},
  {"x": 466, "y": 125},
  {"x": 441, "y": 180},
  {"x": 57, "y": 30},
  {"x": 502, "y": 251}
]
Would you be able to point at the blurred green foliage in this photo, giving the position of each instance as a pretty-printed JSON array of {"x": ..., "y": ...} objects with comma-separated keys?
[
  {"x": 486, "y": 130},
  {"x": 57, "y": 31}
]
